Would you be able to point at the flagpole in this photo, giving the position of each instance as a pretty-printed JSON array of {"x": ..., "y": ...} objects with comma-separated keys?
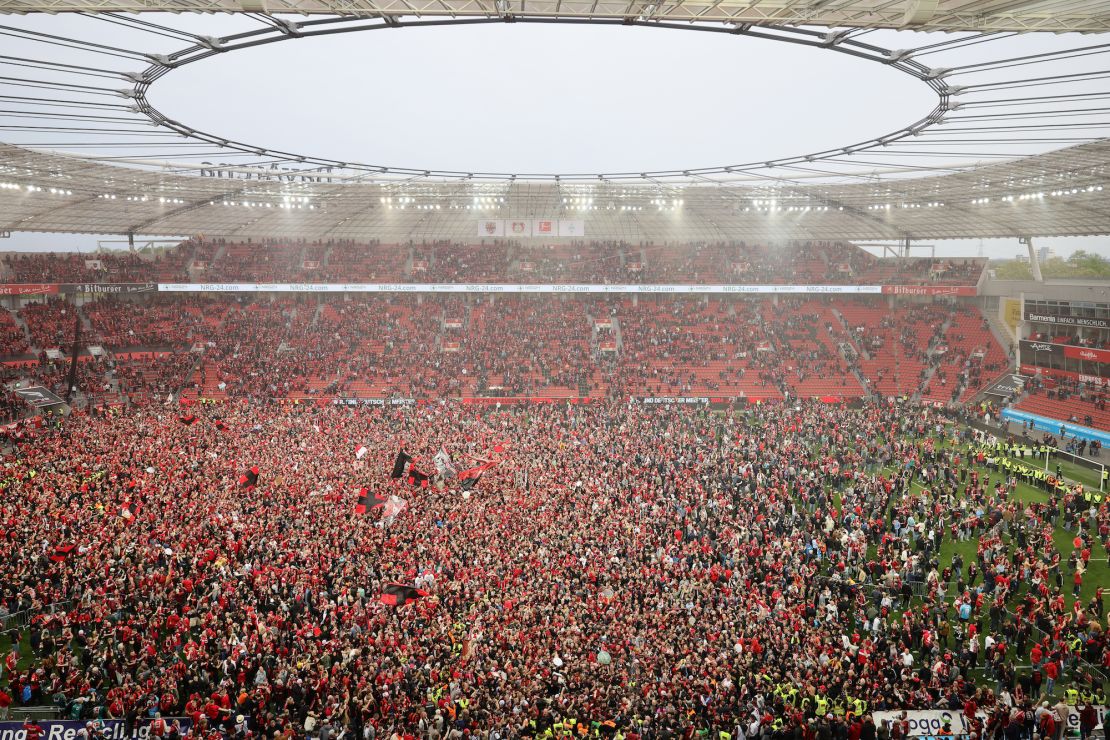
[{"x": 72, "y": 379}]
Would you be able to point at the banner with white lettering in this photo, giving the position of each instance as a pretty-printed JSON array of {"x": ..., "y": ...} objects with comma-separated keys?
[
  {"x": 511, "y": 288},
  {"x": 64, "y": 729},
  {"x": 931, "y": 721}
]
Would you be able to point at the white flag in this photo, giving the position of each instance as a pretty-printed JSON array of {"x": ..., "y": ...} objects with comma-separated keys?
[
  {"x": 491, "y": 227},
  {"x": 444, "y": 466},
  {"x": 391, "y": 509},
  {"x": 361, "y": 452},
  {"x": 518, "y": 228},
  {"x": 545, "y": 228},
  {"x": 572, "y": 227}
]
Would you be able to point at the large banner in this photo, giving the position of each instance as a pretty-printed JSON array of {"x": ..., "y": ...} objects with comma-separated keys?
[
  {"x": 931, "y": 290},
  {"x": 518, "y": 228},
  {"x": 132, "y": 288},
  {"x": 108, "y": 288},
  {"x": 65, "y": 729},
  {"x": 1041, "y": 317},
  {"x": 1086, "y": 353},
  {"x": 1064, "y": 374},
  {"x": 1037, "y": 351},
  {"x": 572, "y": 227},
  {"x": 491, "y": 227},
  {"x": 1011, "y": 313},
  {"x": 1055, "y": 426},
  {"x": 29, "y": 289},
  {"x": 509, "y": 288},
  {"x": 931, "y": 721}
]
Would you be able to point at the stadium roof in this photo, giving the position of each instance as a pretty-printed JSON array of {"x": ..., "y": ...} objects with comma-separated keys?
[
  {"x": 935, "y": 15},
  {"x": 1015, "y": 144},
  {"x": 1062, "y": 193}
]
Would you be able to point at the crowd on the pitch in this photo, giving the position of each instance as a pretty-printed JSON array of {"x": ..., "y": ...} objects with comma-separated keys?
[{"x": 622, "y": 570}]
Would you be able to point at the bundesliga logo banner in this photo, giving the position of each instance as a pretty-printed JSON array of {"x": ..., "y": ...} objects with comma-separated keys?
[{"x": 519, "y": 228}]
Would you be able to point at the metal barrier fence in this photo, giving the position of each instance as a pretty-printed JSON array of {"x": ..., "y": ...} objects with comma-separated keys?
[{"x": 20, "y": 619}]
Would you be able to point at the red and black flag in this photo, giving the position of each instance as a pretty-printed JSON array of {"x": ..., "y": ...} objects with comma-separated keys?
[
  {"x": 368, "y": 501},
  {"x": 129, "y": 510},
  {"x": 62, "y": 552},
  {"x": 417, "y": 478},
  {"x": 187, "y": 419},
  {"x": 219, "y": 424},
  {"x": 397, "y": 594},
  {"x": 249, "y": 479},
  {"x": 469, "y": 478},
  {"x": 399, "y": 464}
]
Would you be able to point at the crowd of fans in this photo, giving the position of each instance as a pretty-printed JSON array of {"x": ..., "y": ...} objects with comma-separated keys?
[
  {"x": 618, "y": 570},
  {"x": 497, "y": 261},
  {"x": 408, "y": 346}
]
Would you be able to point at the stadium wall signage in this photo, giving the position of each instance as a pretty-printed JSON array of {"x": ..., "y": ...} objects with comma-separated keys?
[
  {"x": 1086, "y": 353},
  {"x": 29, "y": 289},
  {"x": 930, "y": 722},
  {"x": 108, "y": 288},
  {"x": 1071, "y": 351},
  {"x": 374, "y": 401},
  {"x": 14, "y": 289},
  {"x": 1037, "y": 349},
  {"x": 1053, "y": 426},
  {"x": 676, "y": 400},
  {"x": 930, "y": 290},
  {"x": 508, "y": 288},
  {"x": 1043, "y": 318},
  {"x": 1027, "y": 369},
  {"x": 64, "y": 729}
]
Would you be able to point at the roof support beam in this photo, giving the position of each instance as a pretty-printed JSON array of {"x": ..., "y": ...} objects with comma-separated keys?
[{"x": 920, "y": 11}]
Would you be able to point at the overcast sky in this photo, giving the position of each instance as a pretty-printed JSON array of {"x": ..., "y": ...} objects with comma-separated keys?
[{"x": 540, "y": 98}]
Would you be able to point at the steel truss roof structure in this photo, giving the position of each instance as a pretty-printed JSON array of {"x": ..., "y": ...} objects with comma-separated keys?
[
  {"x": 1013, "y": 145},
  {"x": 1062, "y": 193},
  {"x": 934, "y": 15}
]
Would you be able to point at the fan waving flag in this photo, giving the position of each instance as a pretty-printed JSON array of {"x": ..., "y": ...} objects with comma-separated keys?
[
  {"x": 62, "y": 552},
  {"x": 249, "y": 479},
  {"x": 392, "y": 509},
  {"x": 399, "y": 464},
  {"x": 444, "y": 466},
  {"x": 416, "y": 478},
  {"x": 361, "y": 452},
  {"x": 469, "y": 478},
  {"x": 397, "y": 594},
  {"x": 368, "y": 501},
  {"x": 187, "y": 420}
]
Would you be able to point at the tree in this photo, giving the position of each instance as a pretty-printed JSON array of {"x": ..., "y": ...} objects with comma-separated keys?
[{"x": 1080, "y": 265}]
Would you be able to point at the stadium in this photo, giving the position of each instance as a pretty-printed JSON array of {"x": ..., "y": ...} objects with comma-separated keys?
[{"x": 341, "y": 402}]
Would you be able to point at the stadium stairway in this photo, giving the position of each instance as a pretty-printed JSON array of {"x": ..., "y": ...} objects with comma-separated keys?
[
  {"x": 931, "y": 369},
  {"x": 22, "y": 325},
  {"x": 1001, "y": 332}
]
